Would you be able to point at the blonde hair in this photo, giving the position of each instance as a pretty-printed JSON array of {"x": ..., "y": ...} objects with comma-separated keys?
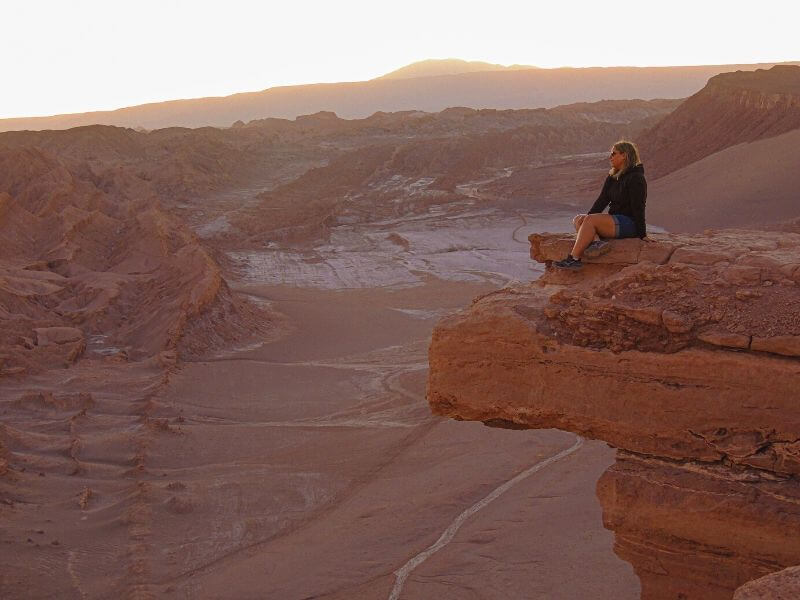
[{"x": 631, "y": 153}]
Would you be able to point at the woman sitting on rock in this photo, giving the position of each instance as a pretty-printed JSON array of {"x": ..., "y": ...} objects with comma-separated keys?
[{"x": 624, "y": 193}]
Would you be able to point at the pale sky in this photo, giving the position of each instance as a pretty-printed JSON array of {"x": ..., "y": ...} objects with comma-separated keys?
[{"x": 61, "y": 56}]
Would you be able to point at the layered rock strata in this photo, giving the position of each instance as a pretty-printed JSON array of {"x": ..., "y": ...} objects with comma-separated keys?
[
  {"x": 684, "y": 353},
  {"x": 103, "y": 271}
]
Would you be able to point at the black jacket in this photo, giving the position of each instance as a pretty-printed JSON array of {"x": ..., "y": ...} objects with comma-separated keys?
[{"x": 625, "y": 196}]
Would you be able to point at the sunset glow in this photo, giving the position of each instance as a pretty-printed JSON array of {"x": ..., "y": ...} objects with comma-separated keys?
[{"x": 90, "y": 55}]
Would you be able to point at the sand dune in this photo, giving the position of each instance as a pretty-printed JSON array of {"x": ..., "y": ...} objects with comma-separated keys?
[{"x": 741, "y": 186}]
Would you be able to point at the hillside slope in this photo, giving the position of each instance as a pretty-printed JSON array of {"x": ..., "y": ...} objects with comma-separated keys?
[
  {"x": 731, "y": 109},
  {"x": 745, "y": 185}
]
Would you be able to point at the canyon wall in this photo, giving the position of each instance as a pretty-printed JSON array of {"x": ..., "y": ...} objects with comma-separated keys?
[{"x": 683, "y": 352}]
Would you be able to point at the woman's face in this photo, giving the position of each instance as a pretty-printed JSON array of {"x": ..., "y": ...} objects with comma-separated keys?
[{"x": 617, "y": 159}]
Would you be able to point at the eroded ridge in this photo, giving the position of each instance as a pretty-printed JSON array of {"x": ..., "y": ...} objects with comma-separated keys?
[{"x": 681, "y": 351}]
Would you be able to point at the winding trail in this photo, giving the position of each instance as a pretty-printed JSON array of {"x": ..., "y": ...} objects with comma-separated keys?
[
  {"x": 389, "y": 375},
  {"x": 447, "y": 536},
  {"x": 514, "y": 233}
]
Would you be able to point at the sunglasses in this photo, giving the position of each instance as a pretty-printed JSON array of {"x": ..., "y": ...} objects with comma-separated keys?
[{"x": 614, "y": 152}]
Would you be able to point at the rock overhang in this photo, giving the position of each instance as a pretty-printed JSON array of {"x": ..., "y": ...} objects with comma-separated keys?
[{"x": 679, "y": 347}]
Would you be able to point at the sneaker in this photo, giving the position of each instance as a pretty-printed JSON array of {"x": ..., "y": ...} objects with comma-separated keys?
[
  {"x": 597, "y": 248},
  {"x": 568, "y": 263}
]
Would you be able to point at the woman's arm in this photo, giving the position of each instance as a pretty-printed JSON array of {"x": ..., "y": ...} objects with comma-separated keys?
[
  {"x": 602, "y": 200},
  {"x": 637, "y": 196}
]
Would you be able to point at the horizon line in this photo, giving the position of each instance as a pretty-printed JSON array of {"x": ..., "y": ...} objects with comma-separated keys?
[{"x": 510, "y": 68}]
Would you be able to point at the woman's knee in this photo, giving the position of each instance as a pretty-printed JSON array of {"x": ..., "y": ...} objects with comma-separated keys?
[
  {"x": 604, "y": 225},
  {"x": 590, "y": 221}
]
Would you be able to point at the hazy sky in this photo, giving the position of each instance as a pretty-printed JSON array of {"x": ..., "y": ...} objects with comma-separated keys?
[{"x": 64, "y": 56}]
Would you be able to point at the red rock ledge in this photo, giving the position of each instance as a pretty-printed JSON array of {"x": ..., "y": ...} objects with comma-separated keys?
[{"x": 684, "y": 353}]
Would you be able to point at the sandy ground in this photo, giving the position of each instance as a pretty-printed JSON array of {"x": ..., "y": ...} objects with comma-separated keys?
[
  {"x": 310, "y": 466},
  {"x": 324, "y": 473}
]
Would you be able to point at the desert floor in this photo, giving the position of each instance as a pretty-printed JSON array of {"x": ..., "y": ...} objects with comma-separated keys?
[{"x": 309, "y": 466}]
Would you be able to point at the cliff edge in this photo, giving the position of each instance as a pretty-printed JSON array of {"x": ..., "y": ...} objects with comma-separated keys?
[{"x": 683, "y": 352}]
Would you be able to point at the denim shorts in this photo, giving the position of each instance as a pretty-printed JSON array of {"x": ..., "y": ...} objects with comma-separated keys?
[{"x": 624, "y": 227}]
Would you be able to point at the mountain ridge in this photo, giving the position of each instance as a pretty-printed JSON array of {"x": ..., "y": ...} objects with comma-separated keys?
[
  {"x": 514, "y": 89},
  {"x": 448, "y": 66}
]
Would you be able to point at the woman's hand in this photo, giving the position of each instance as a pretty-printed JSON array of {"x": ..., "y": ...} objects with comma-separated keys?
[{"x": 578, "y": 221}]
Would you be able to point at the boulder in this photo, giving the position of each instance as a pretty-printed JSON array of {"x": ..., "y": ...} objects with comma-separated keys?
[{"x": 48, "y": 336}]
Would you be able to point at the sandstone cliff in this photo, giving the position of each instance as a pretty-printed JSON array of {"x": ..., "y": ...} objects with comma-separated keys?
[{"x": 684, "y": 353}]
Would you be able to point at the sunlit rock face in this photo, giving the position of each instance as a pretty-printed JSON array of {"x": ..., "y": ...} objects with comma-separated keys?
[
  {"x": 698, "y": 530},
  {"x": 683, "y": 353}
]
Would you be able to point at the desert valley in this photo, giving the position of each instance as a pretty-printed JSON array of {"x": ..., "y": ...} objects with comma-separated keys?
[{"x": 250, "y": 356}]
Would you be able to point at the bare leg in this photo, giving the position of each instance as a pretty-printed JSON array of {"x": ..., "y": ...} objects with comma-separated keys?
[
  {"x": 592, "y": 226},
  {"x": 578, "y": 221}
]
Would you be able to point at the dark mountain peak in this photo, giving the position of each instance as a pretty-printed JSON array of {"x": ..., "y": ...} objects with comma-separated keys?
[
  {"x": 323, "y": 115},
  {"x": 448, "y": 66},
  {"x": 780, "y": 79}
]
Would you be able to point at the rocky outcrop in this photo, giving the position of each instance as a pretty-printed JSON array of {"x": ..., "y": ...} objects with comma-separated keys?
[
  {"x": 679, "y": 351},
  {"x": 89, "y": 269}
]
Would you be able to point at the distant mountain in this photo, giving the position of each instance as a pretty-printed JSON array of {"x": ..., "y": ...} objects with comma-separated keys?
[
  {"x": 732, "y": 108},
  {"x": 505, "y": 89},
  {"x": 448, "y": 66}
]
